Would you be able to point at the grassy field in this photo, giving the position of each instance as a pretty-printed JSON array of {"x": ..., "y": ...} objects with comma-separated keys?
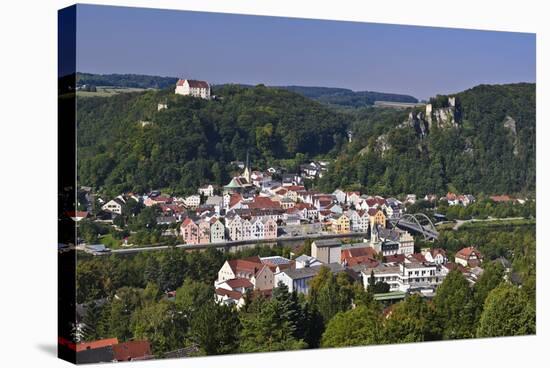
[
  {"x": 108, "y": 91},
  {"x": 499, "y": 223},
  {"x": 110, "y": 242}
]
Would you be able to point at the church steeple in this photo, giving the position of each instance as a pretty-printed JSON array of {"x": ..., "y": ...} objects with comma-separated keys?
[{"x": 247, "y": 172}]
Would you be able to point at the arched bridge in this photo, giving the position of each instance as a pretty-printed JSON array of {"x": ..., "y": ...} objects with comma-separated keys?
[{"x": 417, "y": 223}]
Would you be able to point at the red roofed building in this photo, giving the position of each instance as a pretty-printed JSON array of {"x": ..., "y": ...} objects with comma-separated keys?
[
  {"x": 132, "y": 350},
  {"x": 263, "y": 203},
  {"x": 96, "y": 344},
  {"x": 501, "y": 198},
  {"x": 394, "y": 258},
  {"x": 195, "y": 88},
  {"x": 77, "y": 215},
  {"x": 468, "y": 257}
]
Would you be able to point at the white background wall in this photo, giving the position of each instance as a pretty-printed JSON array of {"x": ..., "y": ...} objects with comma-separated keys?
[{"x": 28, "y": 153}]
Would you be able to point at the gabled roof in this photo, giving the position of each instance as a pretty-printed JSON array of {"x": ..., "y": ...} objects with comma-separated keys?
[
  {"x": 132, "y": 350},
  {"x": 96, "y": 344},
  {"x": 239, "y": 282},
  {"x": 357, "y": 252},
  {"x": 263, "y": 202},
  {"x": 193, "y": 83},
  {"x": 467, "y": 252},
  {"x": 235, "y": 295},
  {"x": 251, "y": 264},
  {"x": 418, "y": 257},
  {"x": 435, "y": 251},
  {"x": 188, "y": 221},
  {"x": 395, "y": 258}
]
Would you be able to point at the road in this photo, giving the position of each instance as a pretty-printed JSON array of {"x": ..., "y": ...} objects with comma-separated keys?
[
  {"x": 229, "y": 244},
  {"x": 459, "y": 223}
]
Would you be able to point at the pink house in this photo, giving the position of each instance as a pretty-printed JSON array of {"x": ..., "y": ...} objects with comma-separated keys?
[
  {"x": 190, "y": 231},
  {"x": 270, "y": 228},
  {"x": 204, "y": 232}
]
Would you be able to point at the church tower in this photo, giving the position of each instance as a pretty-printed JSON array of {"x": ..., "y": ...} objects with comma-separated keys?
[{"x": 246, "y": 173}]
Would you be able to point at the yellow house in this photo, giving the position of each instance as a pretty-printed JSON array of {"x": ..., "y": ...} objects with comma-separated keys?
[
  {"x": 377, "y": 217},
  {"x": 343, "y": 224}
]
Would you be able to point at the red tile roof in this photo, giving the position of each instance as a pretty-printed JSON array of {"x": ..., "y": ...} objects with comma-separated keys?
[
  {"x": 295, "y": 188},
  {"x": 82, "y": 214},
  {"x": 96, "y": 344},
  {"x": 362, "y": 260},
  {"x": 455, "y": 266},
  {"x": 451, "y": 196},
  {"x": 435, "y": 251},
  {"x": 234, "y": 199},
  {"x": 418, "y": 256},
  {"x": 357, "y": 252},
  {"x": 230, "y": 293},
  {"x": 465, "y": 253},
  {"x": 373, "y": 211},
  {"x": 263, "y": 202},
  {"x": 501, "y": 198},
  {"x": 397, "y": 258},
  {"x": 239, "y": 283},
  {"x": 251, "y": 264},
  {"x": 132, "y": 350},
  {"x": 187, "y": 221},
  {"x": 193, "y": 83}
]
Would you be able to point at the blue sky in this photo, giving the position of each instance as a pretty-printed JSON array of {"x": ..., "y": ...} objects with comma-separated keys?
[{"x": 223, "y": 48}]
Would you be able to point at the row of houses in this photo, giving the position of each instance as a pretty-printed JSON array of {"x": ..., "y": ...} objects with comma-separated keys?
[
  {"x": 235, "y": 228},
  {"x": 410, "y": 272}
]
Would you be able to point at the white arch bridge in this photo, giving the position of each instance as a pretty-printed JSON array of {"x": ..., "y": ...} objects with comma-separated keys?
[{"x": 417, "y": 223}]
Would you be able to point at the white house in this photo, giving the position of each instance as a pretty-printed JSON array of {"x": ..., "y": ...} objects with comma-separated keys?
[
  {"x": 195, "y": 88},
  {"x": 193, "y": 201},
  {"x": 207, "y": 190},
  {"x": 340, "y": 196},
  {"x": 405, "y": 276},
  {"x": 114, "y": 206},
  {"x": 217, "y": 231}
]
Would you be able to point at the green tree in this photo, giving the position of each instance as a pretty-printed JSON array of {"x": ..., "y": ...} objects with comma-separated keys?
[
  {"x": 359, "y": 326},
  {"x": 215, "y": 328},
  {"x": 265, "y": 329},
  {"x": 455, "y": 307},
  {"x": 507, "y": 312},
  {"x": 330, "y": 293},
  {"x": 192, "y": 296},
  {"x": 161, "y": 324},
  {"x": 291, "y": 309},
  {"x": 493, "y": 274},
  {"x": 92, "y": 323},
  {"x": 408, "y": 321}
]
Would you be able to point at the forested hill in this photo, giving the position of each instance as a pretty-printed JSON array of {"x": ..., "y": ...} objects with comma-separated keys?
[
  {"x": 484, "y": 145},
  {"x": 126, "y": 80},
  {"x": 338, "y": 97},
  {"x": 342, "y": 97},
  {"x": 124, "y": 143}
]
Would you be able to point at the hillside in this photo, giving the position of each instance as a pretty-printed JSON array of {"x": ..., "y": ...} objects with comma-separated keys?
[
  {"x": 484, "y": 144},
  {"x": 341, "y": 97},
  {"x": 336, "y": 97},
  {"x": 124, "y": 143},
  {"x": 125, "y": 80}
]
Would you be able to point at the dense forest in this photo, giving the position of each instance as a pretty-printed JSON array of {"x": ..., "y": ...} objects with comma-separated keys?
[
  {"x": 490, "y": 150},
  {"x": 341, "y": 97},
  {"x": 125, "y": 80},
  {"x": 126, "y": 144}
]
